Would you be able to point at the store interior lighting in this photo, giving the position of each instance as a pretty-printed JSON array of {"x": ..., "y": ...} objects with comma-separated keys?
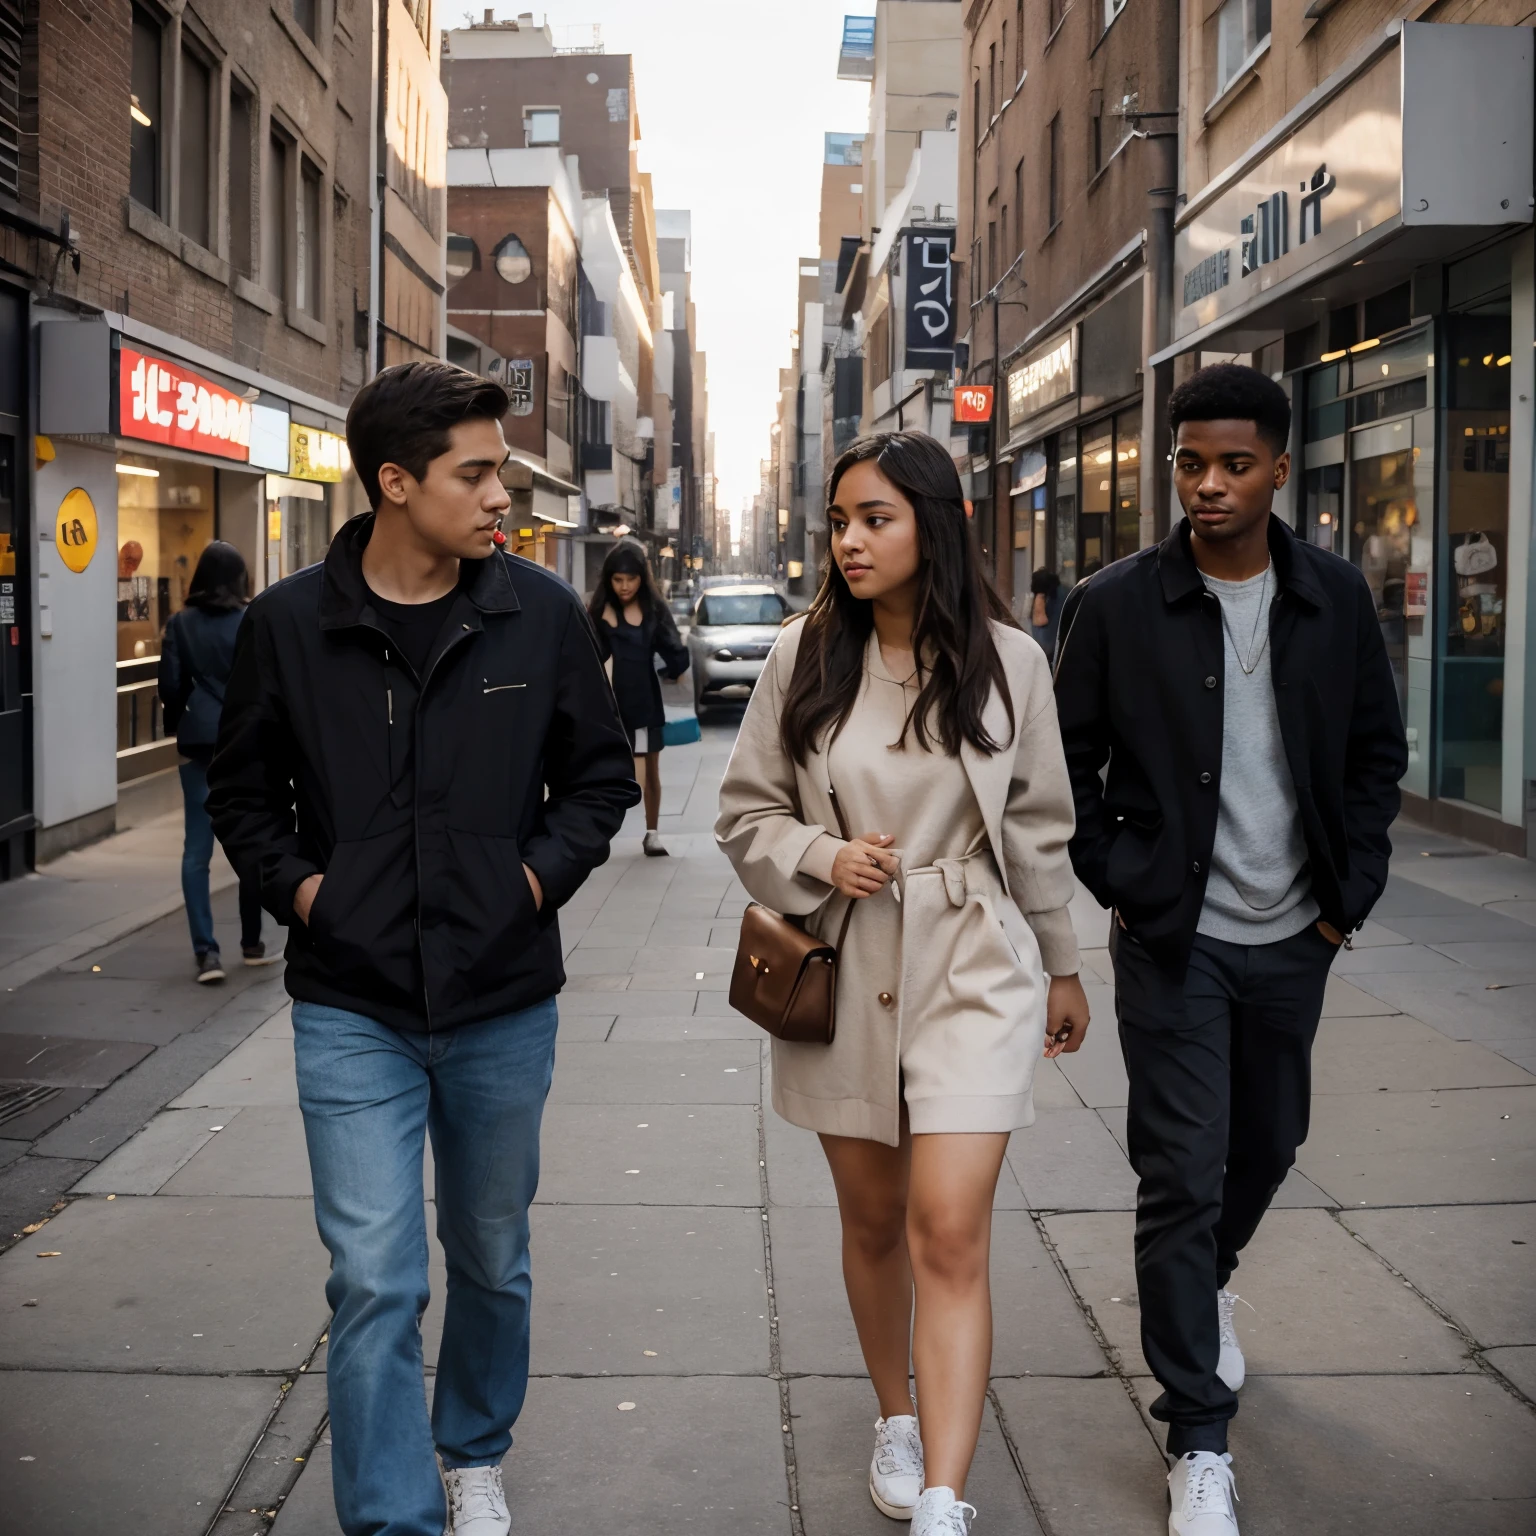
[
  {"x": 138, "y": 469},
  {"x": 138, "y": 114}
]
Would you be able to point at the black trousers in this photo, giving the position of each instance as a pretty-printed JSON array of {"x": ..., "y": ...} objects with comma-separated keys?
[{"x": 1221, "y": 1079}]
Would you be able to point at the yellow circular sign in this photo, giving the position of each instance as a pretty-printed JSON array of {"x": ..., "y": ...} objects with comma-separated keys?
[{"x": 76, "y": 532}]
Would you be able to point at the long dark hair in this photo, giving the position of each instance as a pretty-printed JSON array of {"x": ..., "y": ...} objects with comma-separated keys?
[
  {"x": 952, "y": 644},
  {"x": 626, "y": 559},
  {"x": 221, "y": 583}
]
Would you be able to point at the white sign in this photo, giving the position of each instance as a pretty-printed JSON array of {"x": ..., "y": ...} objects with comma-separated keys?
[
  {"x": 1047, "y": 375},
  {"x": 269, "y": 438}
]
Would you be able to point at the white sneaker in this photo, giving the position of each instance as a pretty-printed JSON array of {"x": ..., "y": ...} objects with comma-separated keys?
[
  {"x": 653, "y": 846},
  {"x": 1231, "y": 1367},
  {"x": 896, "y": 1470},
  {"x": 940, "y": 1513},
  {"x": 1201, "y": 1494},
  {"x": 477, "y": 1503}
]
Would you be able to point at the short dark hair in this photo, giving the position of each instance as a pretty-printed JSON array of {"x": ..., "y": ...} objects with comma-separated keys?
[
  {"x": 1230, "y": 392},
  {"x": 403, "y": 416}
]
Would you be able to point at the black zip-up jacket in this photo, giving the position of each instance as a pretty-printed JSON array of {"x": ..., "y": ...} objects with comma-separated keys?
[
  {"x": 419, "y": 799},
  {"x": 1139, "y": 687}
]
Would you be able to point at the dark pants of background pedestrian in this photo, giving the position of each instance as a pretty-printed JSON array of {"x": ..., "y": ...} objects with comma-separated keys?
[
  {"x": 196, "y": 855},
  {"x": 1220, "y": 1090},
  {"x": 369, "y": 1094}
]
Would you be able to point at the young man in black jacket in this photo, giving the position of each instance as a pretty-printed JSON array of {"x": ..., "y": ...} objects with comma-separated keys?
[
  {"x": 1234, "y": 681},
  {"x": 419, "y": 761}
]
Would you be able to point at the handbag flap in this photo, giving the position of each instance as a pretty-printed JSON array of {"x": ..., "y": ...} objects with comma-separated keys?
[{"x": 777, "y": 951}]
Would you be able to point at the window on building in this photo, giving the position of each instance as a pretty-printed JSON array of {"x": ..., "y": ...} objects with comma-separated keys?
[
  {"x": 1002, "y": 60},
  {"x": 1018, "y": 42},
  {"x": 542, "y": 125},
  {"x": 463, "y": 257},
  {"x": 1095, "y": 132},
  {"x": 1241, "y": 26},
  {"x": 144, "y": 110},
  {"x": 277, "y": 216},
  {"x": 991, "y": 81},
  {"x": 992, "y": 251},
  {"x": 307, "y": 14},
  {"x": 242, "y": 122},
  {"x": 1018, "y": 206},
  {"x": 513, "y": 263},
  {"x": 308, "y": 245},
  {"x": 195, "y": 137},
  {"x": 1053, "y": 175},
  {"x": 976, "y": 108},
  {"x": 10, "y": 97}
]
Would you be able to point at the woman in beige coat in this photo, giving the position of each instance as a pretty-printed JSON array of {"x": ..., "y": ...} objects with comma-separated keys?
[{"x": 908, "y": 699}]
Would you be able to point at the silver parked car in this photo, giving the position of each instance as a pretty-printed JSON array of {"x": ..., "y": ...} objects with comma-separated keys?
[{"x": 733, "y": 630}]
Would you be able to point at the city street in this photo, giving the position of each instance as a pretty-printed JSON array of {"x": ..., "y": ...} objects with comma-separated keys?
[{"x": 695, "y": 1366}]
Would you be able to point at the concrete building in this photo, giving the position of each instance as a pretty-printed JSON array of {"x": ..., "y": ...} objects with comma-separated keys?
[
  {"x": 1070, "y": 128},
  {"x": 1356, "y": 219},
  {"x": 188, "y": 214}
]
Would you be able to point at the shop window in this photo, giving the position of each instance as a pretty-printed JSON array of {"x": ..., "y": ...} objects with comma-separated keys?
[
  {"x": 241, "y": 182},
  {"x": 10, "y": 98},
  {"x": 542, "y": 126},
  {"x": 194, "y": 141},
  {"x": 513, "y": 263},
  {"x": 277, "y": 217},
  {"x": 1394, "y": 400},
  {"x": 1062, "y": 454},
  {"x": 307, "y": 14},
  {"x": 144, "y": 109},
  {"x": 1327, "y": 415},
  {"x": 1389, "y": 311},
  {"x": 1098, "y": 476},
  {"x": 1323, "y": 510},
  {"x": 1127, "y": 509},
  {"x": 463, "y": 257},
  {"x": 1018, "y": 207},
  {"x": 1053, "y": 179},
  {"x": 1242, "y": 27},
  {"x": 309, "y": 245}
]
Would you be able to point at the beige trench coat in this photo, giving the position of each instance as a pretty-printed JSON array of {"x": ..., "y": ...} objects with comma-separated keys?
[{"x": 772, "y": 810}]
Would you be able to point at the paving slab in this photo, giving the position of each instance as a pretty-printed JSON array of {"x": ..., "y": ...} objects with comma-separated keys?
[
  {"x": 1513, "y": 956},
  {"x": 1384, "y": 1456},
  {"x": 1477, "y": 1262},
  {"x": 704, "y": 1155},
  {"x": 1068, "y": 1161},
  {"x": 636, "y": 1002},
  {"x": 1463, "y": 1004},
  {"x": 255, "y": 1072},
  {"x": 1061, "y": 1428},
  {"x": 164, "y": 1284},
  {"x": 107, "y": 1454},
  {"x": 59, "y": 1060},
  {"x": 1052, "y": 1089},
  {"x": 1522, "y": 910},
  {"x": 141, "y": 1165},
  {"x": 260, "y": 1151},
  {"x": 1316, "y": 1301},
  {"x": 689, "y": 958},
  {"x": 1470, "y": 925},
  {"x": 1518, "y": 1366},
  {"x": 637, "y": 1290},
  {"x": 693, "y": 1072},
  {"x": 310, "y": 1509},
  {"x": 646, "y": 1027},
  {"x": 583, "y": 1027},
  {"x": 599, "y": 962},
  {"x": 1394, "y": 960},
  {"x": 1344, "y": 1000},
  {"x": 1406, "y": 898},
  {"x": 1036, "y": 1324},
  {"x": 834, "y": 1421},
  {"x": 1445, "y": 1148},
  {"x": 1366, "y": 1055}
]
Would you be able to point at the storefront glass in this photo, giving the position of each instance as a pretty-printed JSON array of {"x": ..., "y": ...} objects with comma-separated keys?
[
  {"x": 1098, "y": 475},
  {"x": 1063, "y": 456},
  {"x": 1127, "y": 517},
  {"x": 1476, "y": 562}
]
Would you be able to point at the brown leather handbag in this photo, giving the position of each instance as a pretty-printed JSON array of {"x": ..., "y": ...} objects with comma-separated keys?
[{"x": 785, "y": 979}]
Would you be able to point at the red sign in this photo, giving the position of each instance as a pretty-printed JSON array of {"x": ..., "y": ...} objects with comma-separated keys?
[
  {"x": 973, "y": 403},
  {"x": 160, "y": 401}
]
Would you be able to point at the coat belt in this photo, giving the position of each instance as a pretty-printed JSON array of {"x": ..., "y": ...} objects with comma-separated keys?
[{"x": 972, "y": 875}]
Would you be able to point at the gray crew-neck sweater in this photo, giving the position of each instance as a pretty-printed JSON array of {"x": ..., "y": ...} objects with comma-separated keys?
[{"x": 1258, "y": 888}]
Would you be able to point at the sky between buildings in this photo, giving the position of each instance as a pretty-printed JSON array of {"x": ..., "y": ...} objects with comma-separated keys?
[{"x": 734, "y": 97}]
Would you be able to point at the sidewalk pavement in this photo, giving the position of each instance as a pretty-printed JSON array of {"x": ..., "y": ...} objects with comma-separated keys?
[{"x": 694, "y": 1363}]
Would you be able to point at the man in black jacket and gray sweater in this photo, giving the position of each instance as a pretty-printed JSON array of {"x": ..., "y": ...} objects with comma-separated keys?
[
  {"x": 1234, "y": 682},
  {"x": 419, "y": 761}
]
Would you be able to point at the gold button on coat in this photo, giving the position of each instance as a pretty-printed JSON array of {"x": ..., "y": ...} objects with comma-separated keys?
[{"x": 886, "y": 999}]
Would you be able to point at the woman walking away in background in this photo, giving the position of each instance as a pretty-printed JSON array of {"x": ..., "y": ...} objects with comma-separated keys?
[
  {"x": 910, "y": 708},
  {"x": 633, "y": 626},
  {"x": 195, "y": 658}
]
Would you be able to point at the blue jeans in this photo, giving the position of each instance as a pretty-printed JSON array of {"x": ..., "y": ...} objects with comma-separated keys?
[
  {"x": 196, "y": 854},
  {"x": 369, "y": 1093}
]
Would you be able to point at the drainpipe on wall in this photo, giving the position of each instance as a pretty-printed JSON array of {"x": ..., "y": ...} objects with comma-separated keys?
[
  {"x": 1157, "y": 329},
  {"x": 380, "y": 42}
]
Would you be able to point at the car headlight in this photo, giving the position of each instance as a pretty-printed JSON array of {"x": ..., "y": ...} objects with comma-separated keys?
[{"x": 725, "y": 654}]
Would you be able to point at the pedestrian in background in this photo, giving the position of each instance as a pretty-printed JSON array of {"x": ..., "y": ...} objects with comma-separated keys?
[
  {"x": 908, "y": 706},
  {"x": 421, "y": 762},
  {"x": 196, "y": 652},
  {"x": 1235, "y": 682},
  {"x": 1045, "y": 603},
  {"x": 634, "y": 627}
]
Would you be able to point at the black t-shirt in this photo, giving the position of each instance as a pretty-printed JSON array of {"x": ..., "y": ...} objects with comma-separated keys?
[{"x": 414, "y": 627}]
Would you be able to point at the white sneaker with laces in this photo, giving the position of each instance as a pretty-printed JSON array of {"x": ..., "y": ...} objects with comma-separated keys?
[
  {"x": 477, "y": 1503},
  {"x": 1201, "y": 1495},
  {"x": 896, "y": 1469},
  {"x": 940, "y": 1513},
  {"x": 1231, "y": 1367}
]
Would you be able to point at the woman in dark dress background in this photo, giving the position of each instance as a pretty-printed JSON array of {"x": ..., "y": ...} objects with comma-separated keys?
[{"x": 634, "y": 626}]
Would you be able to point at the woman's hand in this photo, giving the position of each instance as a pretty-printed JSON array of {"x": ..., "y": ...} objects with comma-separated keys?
[
  {"x": 866, "y": 864},
  {"x": 1066, "y": 1015}
]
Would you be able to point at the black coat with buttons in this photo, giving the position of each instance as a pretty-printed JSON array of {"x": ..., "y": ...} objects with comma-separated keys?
[
  {"x": 1139, "y": 693},
  {"x": 420, "y": 798}
]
